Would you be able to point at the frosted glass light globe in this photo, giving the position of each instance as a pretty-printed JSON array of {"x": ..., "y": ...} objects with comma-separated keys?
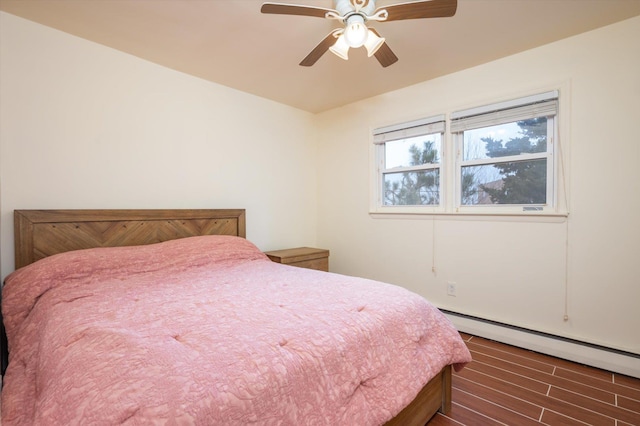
[{"x": 356, "y": 32}]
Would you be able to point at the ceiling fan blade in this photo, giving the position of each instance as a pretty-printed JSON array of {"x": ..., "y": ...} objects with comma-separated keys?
[
  {"x": 421, "y": 9},
  {"x": 384, "y": 55},
  {"x": 294, "y": 9},
  {"x": 319, "y": 50}
]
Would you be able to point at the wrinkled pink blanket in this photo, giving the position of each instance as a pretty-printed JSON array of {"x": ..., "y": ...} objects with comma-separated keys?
[{"x": 207, "y": 330}]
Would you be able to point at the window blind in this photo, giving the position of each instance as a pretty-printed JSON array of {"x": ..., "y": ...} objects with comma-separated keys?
[
  {"x": 543, "y": 105},
  {"x": 410, "y": 129}
]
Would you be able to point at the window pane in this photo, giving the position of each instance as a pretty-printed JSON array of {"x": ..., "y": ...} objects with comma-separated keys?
[
  {"x": 412, "y": 151},
  {"x": 526, "y": 136},
  {"x": 516, "y": 182},
  {"x": 412, "y": 188}
]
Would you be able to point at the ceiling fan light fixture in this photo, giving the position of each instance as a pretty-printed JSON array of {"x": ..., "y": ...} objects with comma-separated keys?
[
  {"x": 373, "y": 43},
  {"x": 353, "y": 15},
  {"x": 340, "y": 48},
  {"x": 356, "y": 32}
]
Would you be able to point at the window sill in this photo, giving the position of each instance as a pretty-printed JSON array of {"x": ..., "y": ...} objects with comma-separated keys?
[{"x": 472, "y": 215}]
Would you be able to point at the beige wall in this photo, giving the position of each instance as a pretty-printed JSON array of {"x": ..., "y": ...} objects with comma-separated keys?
[
  {"x": 85, "y": 126},
  {"x": 510, "y": 270}
]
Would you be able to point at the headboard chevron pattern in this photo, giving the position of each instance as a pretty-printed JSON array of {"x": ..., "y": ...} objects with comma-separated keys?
[{"x": 42, "y": 233}]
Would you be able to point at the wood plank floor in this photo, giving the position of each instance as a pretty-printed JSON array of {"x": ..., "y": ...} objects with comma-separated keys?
[{"x": 505, "y": 385}]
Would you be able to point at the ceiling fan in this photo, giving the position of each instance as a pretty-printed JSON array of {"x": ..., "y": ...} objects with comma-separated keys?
[{"x": 354, "y": 14}]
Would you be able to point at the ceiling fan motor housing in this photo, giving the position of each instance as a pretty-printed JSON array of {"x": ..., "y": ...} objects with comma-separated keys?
[{"x": 361, "y": 7}]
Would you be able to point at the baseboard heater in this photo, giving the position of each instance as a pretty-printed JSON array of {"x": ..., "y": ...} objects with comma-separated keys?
[{"x": 594, "y": 355}]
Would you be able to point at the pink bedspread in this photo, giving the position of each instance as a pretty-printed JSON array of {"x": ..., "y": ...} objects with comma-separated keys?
[{"x": 207, "y": 330}]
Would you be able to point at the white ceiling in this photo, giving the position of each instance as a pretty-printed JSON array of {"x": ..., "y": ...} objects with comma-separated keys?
[{"x": 231, "y": 43}]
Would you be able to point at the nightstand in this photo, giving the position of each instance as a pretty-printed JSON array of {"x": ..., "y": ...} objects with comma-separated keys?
[{"x": 303, "y": 257}]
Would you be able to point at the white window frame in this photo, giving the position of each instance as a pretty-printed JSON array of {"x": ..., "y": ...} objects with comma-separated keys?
[
  {"x": 421, "y": 127},
  {"x": 452, "y": 125},
  {"x": 541, "y": 105}
]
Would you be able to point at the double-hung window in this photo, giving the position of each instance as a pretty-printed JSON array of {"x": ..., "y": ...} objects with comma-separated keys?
[
  {"x": 504, "y": 155},
  {"x": 409, "y": 163},
  {"x": 492, "y": 159}
]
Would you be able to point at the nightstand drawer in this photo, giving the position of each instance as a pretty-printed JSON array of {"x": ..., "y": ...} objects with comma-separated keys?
[{"x": 303, "y": 257}]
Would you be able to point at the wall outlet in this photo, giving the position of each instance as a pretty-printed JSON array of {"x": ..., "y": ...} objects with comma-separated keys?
[{"x": 451, "y": 288}]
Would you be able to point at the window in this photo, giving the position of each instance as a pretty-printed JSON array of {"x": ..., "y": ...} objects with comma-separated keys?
[
  {"x": 500, "y": 160},
  {"x": 504, "y": 154},
  {"x": 409, "y": 156}
]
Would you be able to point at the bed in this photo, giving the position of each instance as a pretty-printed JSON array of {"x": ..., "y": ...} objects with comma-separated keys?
[{"x": 172, "y": 316}]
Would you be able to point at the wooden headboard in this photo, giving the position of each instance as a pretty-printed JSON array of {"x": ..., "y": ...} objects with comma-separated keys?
[{"x": 42, "y": 233}]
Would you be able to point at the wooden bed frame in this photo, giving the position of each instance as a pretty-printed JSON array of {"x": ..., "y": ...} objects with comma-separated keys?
[{"x": 42, "y": 233}]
